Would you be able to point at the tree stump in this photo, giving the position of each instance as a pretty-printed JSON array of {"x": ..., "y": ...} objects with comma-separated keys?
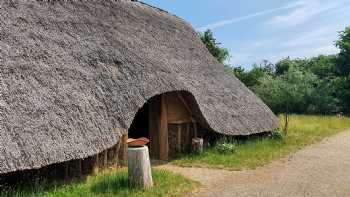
[
  {"x": 139, "y": 167},
  {"x": 197, "y": 145}
]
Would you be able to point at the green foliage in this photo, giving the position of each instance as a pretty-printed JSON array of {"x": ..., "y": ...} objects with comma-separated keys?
[
  {"x": 303, "y": 131},
  {"x": 221, "y": 54},
  {"x": 289, "y": 89},
  {"x": 343, "y": 63},
  {"x": 324, "y": 66},
  {"x": 225, "y": 146},
  {"x": 318, "y": 85},
  {"x": 277, "y": 134},
  {"x": 111, "y": 183},
  {"x": 248, "y": 78}
]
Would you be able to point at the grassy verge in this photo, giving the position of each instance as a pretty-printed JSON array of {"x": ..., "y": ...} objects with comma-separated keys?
[
  {"x": 109, "y": 184},
  {"x": 303, "y": 130}
]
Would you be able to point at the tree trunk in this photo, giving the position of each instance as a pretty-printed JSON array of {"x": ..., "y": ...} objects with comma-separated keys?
[
  {"x": 139, "y": 167},
  {"x": 286, "y": 120}
]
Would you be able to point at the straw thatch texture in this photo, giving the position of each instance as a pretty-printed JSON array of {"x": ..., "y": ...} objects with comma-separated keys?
[{"x": 74, "y": 73}]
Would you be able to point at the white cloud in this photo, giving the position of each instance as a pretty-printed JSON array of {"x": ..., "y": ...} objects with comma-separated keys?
[
  {"x": 221, "y": 23},
  {"x": 306, "y": 11},
  {"x": 325, "y": 34}
]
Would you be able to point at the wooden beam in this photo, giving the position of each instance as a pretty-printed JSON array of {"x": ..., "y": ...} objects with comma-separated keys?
[
  {"x": 182, "y": 99},
  {"x": 163, "y": 130}
]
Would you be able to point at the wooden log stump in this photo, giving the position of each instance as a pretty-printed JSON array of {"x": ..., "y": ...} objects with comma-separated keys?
[
  {"x": 197, "y": 145},
  {"x": 139, "y": 167}
]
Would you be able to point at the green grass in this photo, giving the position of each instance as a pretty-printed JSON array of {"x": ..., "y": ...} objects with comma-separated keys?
[
  {"x": 303, "y": 130},
  {"x": 109, "y": 184}
]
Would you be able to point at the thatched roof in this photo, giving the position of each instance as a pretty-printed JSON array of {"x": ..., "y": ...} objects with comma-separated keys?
[{"x": 74, "y": 73}]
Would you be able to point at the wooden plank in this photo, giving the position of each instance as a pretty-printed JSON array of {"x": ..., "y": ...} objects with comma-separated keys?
[{"x": 163, "y": 130}]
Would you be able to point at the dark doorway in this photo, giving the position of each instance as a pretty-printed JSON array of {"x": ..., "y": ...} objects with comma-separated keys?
[{"x": 140, "y": 125}]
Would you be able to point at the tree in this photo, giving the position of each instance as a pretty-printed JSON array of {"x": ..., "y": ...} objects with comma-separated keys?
[
  {"x": 249, "y": 78},
  {"x": 343, "y": 63},
  {"x": 221, "y": 54},
  {"x": 283, "y": 66},
  {"x": 324, "y": 66},
  {"x": 268, "y": 67}
]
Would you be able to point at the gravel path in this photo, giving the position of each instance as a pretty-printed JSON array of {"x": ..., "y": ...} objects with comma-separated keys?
[{"x": 318, "y": 170}]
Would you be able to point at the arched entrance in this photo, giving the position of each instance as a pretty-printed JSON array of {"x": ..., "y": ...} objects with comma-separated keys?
[{"x": 170, "y": 121}]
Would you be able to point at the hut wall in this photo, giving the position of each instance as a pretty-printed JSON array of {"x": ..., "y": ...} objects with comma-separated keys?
[
  {"x": 176, "y": 111},
  {"x": 180, "y": 138}
]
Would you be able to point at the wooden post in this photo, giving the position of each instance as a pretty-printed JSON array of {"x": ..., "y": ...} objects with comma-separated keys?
[
  {"x": 163, "y": 130},
  {"x": 179, "y": 138},
  {"x": 197, "y": 145},
  {"x": 123, "y": 151},
  {"x": 66, "y": 170},
  {"x": 154, "y": 116},
  {"x": 195, "y": 129},
  {"x": 95, "y": 165},
  {"x": 116, "y": 152},
  {"x": 80, "y": 169},
  {"x": 105, "y": 158},
  {"x": 139, "y": 167}
]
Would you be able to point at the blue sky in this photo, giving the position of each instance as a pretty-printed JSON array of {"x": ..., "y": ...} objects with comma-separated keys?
[{"x": 254, "y": 30}]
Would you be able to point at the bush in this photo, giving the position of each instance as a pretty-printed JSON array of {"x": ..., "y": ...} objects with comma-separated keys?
[
  {"x": 225, "y": 146},
  {"x": 277, "y": 135}
]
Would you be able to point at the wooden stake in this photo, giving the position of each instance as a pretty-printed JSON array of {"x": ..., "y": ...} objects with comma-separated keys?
[
  {"x": 123, "y": 151},
  {"x": 116, "y": 152}
]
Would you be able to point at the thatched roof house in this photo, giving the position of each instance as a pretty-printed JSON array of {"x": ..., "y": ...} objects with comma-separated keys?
[{"x": 73, "y": 74}]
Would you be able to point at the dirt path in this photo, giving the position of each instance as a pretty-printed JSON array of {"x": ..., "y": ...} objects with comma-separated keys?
[{"x": 319, "y": 170}]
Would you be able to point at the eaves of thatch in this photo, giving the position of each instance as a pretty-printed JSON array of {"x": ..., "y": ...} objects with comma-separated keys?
[{"x": 74, "y": 73}]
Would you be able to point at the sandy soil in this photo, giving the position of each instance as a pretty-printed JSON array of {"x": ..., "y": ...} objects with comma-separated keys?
[{"x": 318, "y": 170}]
